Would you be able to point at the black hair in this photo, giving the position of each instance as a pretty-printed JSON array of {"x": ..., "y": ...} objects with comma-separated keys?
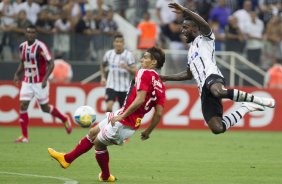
[
  {"x": 31, "y": 27},
  {"x": 193, "y": 22},
  {"x": 118, "y": 35},
  {"x": 158, "y": 55}
]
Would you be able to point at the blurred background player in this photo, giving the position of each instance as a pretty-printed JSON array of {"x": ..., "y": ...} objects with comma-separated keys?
[
  {"x": 273, "y": 77},
  {"x": 202, "y": 66},
  {"x": 62, "y": 72},
  {"x": 37, "y": 65},
  {"x": 148, "y": 32},
  {"x": 147, "y": 91},
  {"x": 121, "y": 64}
]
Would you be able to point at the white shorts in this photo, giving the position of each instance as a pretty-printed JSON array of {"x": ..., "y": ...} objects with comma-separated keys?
[
  {"x": 116, "y": 134},
  {"x": 29, "y": 90}
]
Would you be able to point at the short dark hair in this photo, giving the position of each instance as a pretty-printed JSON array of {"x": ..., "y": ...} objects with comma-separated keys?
[
  {"x": 31, "y": 27},
  {"x": 191, "y": 20},
  {"x": 118, "y": 35},
  {"x": 158, "y": 55}
]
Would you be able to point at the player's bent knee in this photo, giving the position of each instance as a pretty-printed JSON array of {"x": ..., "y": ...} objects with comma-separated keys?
[
  {"x": 218, "y": 93},
  {"x": 218, "y": 130},
  {"x": 46, "y": 110},
  {"x": 216, "y": 126},
  {"x": 24, "y": 107},
  {"x": 98, "y": 145}
]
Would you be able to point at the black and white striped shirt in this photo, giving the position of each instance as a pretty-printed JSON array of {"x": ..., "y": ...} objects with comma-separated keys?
[
  {"x": 201, "y": 59},
  {"x": 118, "y": 78}
]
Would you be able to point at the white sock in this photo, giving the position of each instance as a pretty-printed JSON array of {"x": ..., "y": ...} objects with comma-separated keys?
[{"x": 234, "y": 117}]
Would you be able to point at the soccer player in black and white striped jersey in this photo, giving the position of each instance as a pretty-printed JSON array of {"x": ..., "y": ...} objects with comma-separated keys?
[
  {"x": 121, "y": 65},
  {"x": 202, "y": 66}
]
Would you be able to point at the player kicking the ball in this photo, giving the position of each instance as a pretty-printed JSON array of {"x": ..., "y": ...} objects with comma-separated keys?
[
  {"x": 202, "y": 66},
  {"x": 146, "y": 91}
]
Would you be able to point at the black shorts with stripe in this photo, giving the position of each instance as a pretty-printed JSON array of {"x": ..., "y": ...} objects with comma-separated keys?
[
  {"x": 112, "y": 95},
  {"x": 211, "y": 106}
]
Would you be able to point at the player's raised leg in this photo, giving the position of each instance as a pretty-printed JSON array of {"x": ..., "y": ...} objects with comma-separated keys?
[
  {"x": 231, "y": 119},
  {"x": 218, "y": 124},
  {"x": 219, "y": 91},
  {"x": 56, "y": 113},
  {"x": 84, "y": 145},
  {"x": 241, "y": 96}
]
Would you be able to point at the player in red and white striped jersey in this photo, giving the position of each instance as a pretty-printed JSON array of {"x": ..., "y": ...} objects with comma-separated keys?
[
  {"x": 37, "y": 65},
  {"x": 147, "y": 91}
]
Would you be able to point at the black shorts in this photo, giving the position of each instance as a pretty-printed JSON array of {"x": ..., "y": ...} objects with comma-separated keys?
[
  {"x": 211, "y": 106},
  {"x": 112, "y": 95}
]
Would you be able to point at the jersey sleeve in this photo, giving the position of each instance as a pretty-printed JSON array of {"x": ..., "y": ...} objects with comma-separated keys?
[
  {"x": 209, "y": 37},
  {"x": 45, "y": 52},
  {"x": 161, "y": 98},
  {"x": 21, "y": 52},
  {"x": 106, "y": 57},
  {"x": 143, "y": 80}
]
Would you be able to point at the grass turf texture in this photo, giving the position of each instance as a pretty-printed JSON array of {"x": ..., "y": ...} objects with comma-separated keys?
[{"x": 168, "y": 157}]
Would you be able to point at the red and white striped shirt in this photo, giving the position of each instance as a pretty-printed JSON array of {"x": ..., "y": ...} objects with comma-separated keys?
[{"x": 34, "y": 58}]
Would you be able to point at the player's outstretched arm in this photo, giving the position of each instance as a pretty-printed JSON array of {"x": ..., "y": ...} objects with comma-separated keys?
[
  {"x": 185, "y": 75},
  {"x": 155, "y": 120},
  {"x": 138, "y": 101},
  {"x": 204, "y": 26}
]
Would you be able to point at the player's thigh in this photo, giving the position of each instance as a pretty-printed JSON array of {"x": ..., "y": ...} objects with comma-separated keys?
[
  {"x": 41, "y": 94},
  {"x": 93, "y": 132},
  {"x": 113, "y": 134},
  {"x": 110, "y": 95},
  {"x": 211, "y": 106},
  {"x": 26, "y": 92}
]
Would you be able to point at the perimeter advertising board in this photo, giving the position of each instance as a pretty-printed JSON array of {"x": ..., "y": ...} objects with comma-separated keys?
[{"x": 182, "y": 110}]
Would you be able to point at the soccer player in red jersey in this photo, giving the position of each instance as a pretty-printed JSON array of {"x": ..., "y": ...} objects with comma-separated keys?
[
  {"x": 37, "y": 65},
  {"x": 146, "y": 91}
]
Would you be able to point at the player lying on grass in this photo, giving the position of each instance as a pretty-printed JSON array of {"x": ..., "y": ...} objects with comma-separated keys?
[
  {"x": 146, "y": 91},
  {"x": 202, "y": 66}
]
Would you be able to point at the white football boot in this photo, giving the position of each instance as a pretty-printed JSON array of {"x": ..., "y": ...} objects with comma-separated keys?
[
  {"x": 253, "y": 107},
  {"x": 268, "y": 102}
]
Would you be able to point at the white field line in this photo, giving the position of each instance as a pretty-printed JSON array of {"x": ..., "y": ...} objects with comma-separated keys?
[{"x": 66, "y": 180}]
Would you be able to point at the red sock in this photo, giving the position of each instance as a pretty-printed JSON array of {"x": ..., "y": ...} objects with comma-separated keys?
[
  {"x": 83, "y": 146},
  {"x": 55, "y": 112},
  {"x": 24, "y": 123},
  {"x": 102, "y": 157}
]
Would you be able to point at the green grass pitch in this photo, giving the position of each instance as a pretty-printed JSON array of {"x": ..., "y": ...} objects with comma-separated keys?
[{"x": 168, "y": 157}]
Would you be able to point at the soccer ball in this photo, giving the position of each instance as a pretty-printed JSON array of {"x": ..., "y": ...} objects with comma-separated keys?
[{"x": 85, "y": 116}]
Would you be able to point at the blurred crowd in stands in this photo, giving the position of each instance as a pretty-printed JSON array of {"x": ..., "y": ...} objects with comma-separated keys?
[
  {"x": 249, "y": 27},
  {"x": 81, "y": 30}
]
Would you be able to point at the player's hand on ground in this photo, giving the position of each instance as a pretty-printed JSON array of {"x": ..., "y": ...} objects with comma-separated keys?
[
  {"x": 103, "y": 81},
  {"x": 44, "y": 84},
  {"x": 145, "y": 135},
  {"x": 114, "y": 119},
  {"x": 177, "y": 8}
]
